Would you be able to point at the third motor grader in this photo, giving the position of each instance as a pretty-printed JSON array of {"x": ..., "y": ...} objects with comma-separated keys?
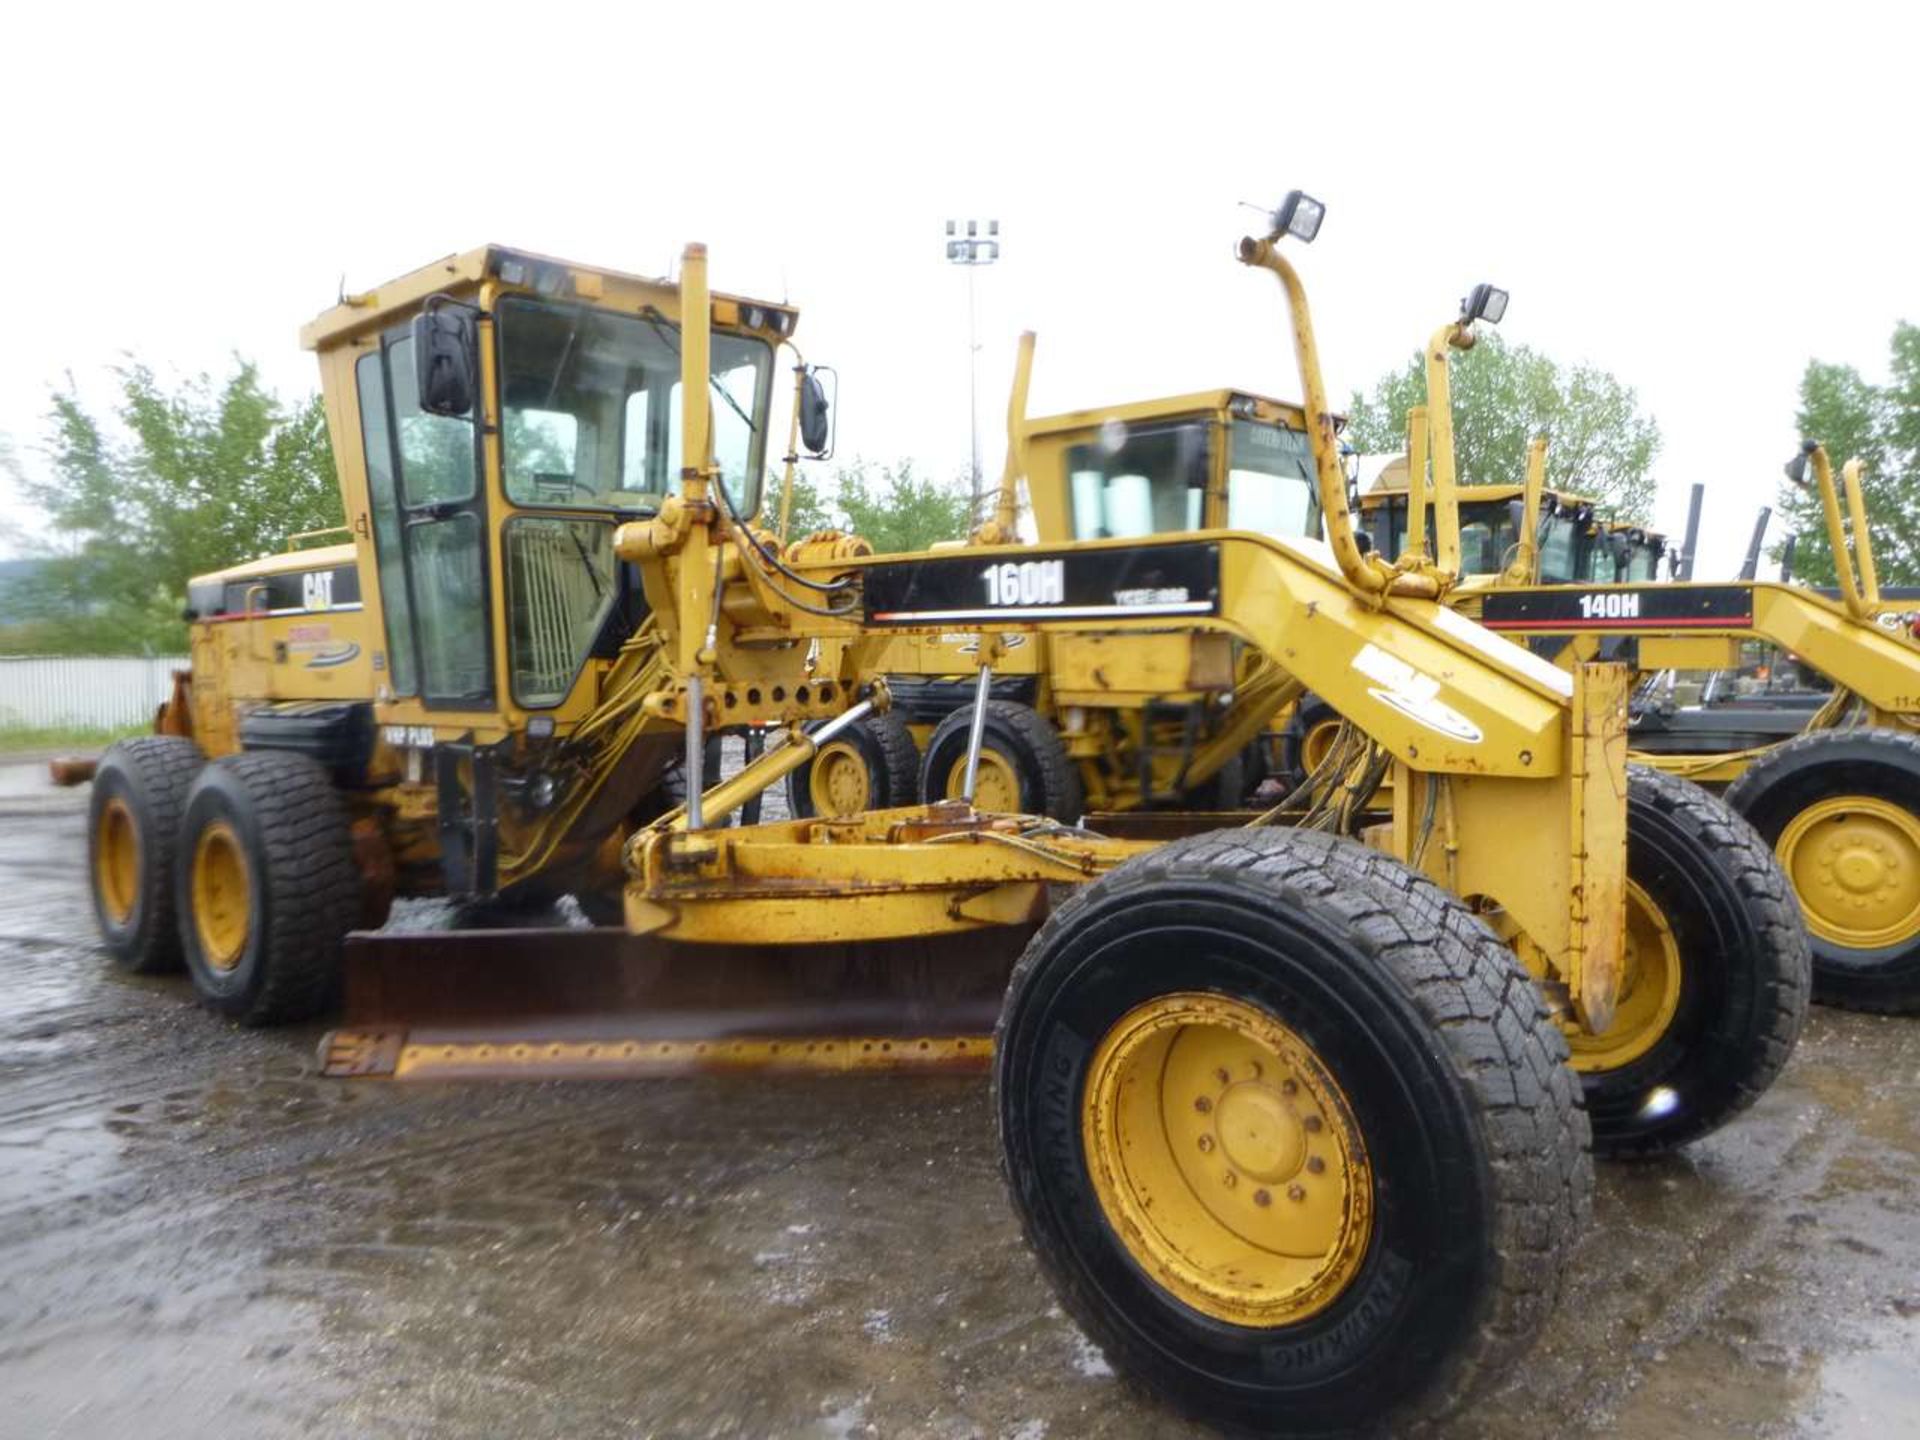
[
  {"x": 1832, "y": 783},
  {"x": 1289, "y": 1128}
]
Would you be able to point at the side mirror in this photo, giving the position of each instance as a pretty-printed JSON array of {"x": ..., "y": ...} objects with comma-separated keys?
[
  {"x": 1517, "y": 514},
  {"x": 445, "y": 356},
  {"x": 816, "y": 414}
]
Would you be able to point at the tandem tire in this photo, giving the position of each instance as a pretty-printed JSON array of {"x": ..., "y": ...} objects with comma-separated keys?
[
  {"x": 133, "y": 824},
  {"x": 873, "y": 764},
  {"x": 1024, "y": 766},
  {"x": 1718, "y": 975},
  {"x": 1841, "y": 810},
  {"x": 265, "y": 886},
  {"x": 1290, "y": 1133}
]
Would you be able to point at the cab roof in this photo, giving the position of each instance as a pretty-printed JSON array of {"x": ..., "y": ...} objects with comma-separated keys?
[
  {"x": 518, "y": 269},
  {"x": 1175, "y": 407}
]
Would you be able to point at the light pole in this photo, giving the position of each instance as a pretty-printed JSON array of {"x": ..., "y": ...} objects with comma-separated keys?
[{"x": 973, "y": 249}]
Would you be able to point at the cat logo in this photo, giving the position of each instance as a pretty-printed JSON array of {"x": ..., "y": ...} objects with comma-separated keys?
[{"x": 316, "y": 589}]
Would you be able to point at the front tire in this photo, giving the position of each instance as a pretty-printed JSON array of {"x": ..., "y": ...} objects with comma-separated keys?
[
  {"x": 133, "y": 825},
  {"x": 1717, "y": 981},
  {"x": 1024, "y": 765},
  {"x": 1841, "y": 810},
  {"x": 1406, "y": 1150},
  {"x": 871, "y": 765},
  {"x": 265, "y": 886}
]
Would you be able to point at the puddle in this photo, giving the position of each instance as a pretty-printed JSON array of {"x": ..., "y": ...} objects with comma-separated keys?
[{"x": 1874, "y": 1391}]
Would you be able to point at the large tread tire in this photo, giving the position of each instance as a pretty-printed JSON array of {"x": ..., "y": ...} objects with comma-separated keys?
[
  {"x": 1455, "y": 1077},
  {"x": 1877, "y": 763},
  {"x": 302, "y": 886},
  {"x": 1745, "y": 972},
  {"x": 146, "y": 779},
  {"x": 892, "y": 762},
  {"x": 1031, "y": 748}
]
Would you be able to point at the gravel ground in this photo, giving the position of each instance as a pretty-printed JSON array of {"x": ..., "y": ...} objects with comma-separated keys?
[{"x": 199, "y": 1236}]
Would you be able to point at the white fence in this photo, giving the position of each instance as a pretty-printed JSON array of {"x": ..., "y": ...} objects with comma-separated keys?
[{"x": 39, "y": 691}]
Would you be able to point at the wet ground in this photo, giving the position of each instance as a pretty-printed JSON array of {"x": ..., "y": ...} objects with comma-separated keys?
[{"x": 199, "y": 1237}]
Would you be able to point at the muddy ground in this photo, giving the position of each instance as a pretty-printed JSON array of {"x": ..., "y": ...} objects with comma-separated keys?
[{"x": 198, "y": 1236}]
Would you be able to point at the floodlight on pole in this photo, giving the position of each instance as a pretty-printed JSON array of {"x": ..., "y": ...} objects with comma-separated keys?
[{"x": 973, "y": 243}]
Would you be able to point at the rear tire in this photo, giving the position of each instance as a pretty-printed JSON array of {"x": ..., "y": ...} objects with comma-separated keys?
[
  {"x": 1841, "y": 810},
  {"x": 1024, "y": 767},
  {"x": 265, "y": 886},
  {"x": 133, "y": 825},
  {"x": 1428, "y": 1055},
  {"x": 873, "y": 764},
  {"x": 1718, "y": 980}
]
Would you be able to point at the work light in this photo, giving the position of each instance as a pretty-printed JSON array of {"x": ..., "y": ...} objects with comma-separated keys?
[
  {"x": 1299, "y": 215},
  {"x": 1487, "y": 302}
]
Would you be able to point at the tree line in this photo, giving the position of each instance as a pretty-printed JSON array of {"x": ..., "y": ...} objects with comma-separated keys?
[{"x": 174, "y": 481}]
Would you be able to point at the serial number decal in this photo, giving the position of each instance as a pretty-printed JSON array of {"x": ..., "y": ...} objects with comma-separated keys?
[
  {"x": 1027, "y": 582},
  {"x": 1413, "y": 694},
  {"x": 1610, "y": 605},
  {"x": 1639, "y": 609},
  {"x": 1178, "y": 578}
]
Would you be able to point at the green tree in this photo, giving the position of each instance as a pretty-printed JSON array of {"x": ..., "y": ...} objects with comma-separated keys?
[
  {"x": 191, "y": 479},
  {"x": 1602, "y": 446},
  {"x": 807, "y": 513},
  {"x": 897, "y": 510},
  {"x": 1880, "y": 424}
]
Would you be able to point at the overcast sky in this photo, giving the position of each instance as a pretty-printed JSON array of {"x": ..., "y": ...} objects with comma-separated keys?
[{"x": 1696, "y": 198}]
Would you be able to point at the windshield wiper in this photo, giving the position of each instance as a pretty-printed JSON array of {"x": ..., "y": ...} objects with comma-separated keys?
[{"x": 654, "y": 318}]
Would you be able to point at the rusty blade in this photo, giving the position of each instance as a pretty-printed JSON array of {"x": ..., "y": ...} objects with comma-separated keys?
[{"x": 582, "y": 1002}]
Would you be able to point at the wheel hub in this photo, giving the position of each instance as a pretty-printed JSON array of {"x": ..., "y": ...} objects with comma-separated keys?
[
  {"x": 221, "y": 896},
  {"x": 1649, "y": 998},
  {"x": 117, "y": 860},
  {"x": 1855, "y": 865},
  {"x": 1226, "y": 1158},
  {"x": 996, "y": 784},
  {"x": 840, "y": 782}
]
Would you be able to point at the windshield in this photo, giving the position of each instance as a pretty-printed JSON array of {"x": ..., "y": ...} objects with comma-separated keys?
[
  {"x": 1487, "y": 537},
  {"x": 591, "y": 408},
  {"x": 1644, "y": 561},
  {"x": 1131, "y": 482},
  {"x": 1557, "y": 545},
  {"x": 1270, "y": 481}
]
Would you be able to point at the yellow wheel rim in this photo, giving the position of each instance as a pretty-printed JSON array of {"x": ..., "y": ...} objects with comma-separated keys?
[
  {"x": 221, "y": 896},
  {"x": 839, "y": 783},
  {"x": 1227, "y": 1160},
  {"x": 1649, "y": 992},
  {"x": 1317, "y": 744},
  {"x": 996, "y": 784},
  {"x": 1855, "y": 864},
  {"x": 116, "y": 860}
]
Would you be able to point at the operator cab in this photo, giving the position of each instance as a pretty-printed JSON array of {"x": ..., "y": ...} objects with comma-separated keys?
[
  {"x": 505, "y": 412},
  {"x": 1216, "y": 460}
]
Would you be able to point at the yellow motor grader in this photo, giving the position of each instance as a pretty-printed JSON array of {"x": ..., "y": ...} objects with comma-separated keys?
[
  {"x": 1830, "y": 780},
  {"x": 1075, "y": 725},
  {"x": 1286, "y": 1115}
]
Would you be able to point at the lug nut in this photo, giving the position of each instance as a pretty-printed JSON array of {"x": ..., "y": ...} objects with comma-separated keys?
[
  {"x": 1222, "y": 1076},
  {"x": 1261, "y": 1197},
  {"x": 1289, "y": 1087},
  {"x": 1206, "y": 1144},
  {"x": 1315, "y": 1165},
  {"x": 1313, "y": 1124},
  {"x": 1296, "y": 1192},
  {"x": 1232, "y": 1179},
  {"x": 1203, "y": 1104}
]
